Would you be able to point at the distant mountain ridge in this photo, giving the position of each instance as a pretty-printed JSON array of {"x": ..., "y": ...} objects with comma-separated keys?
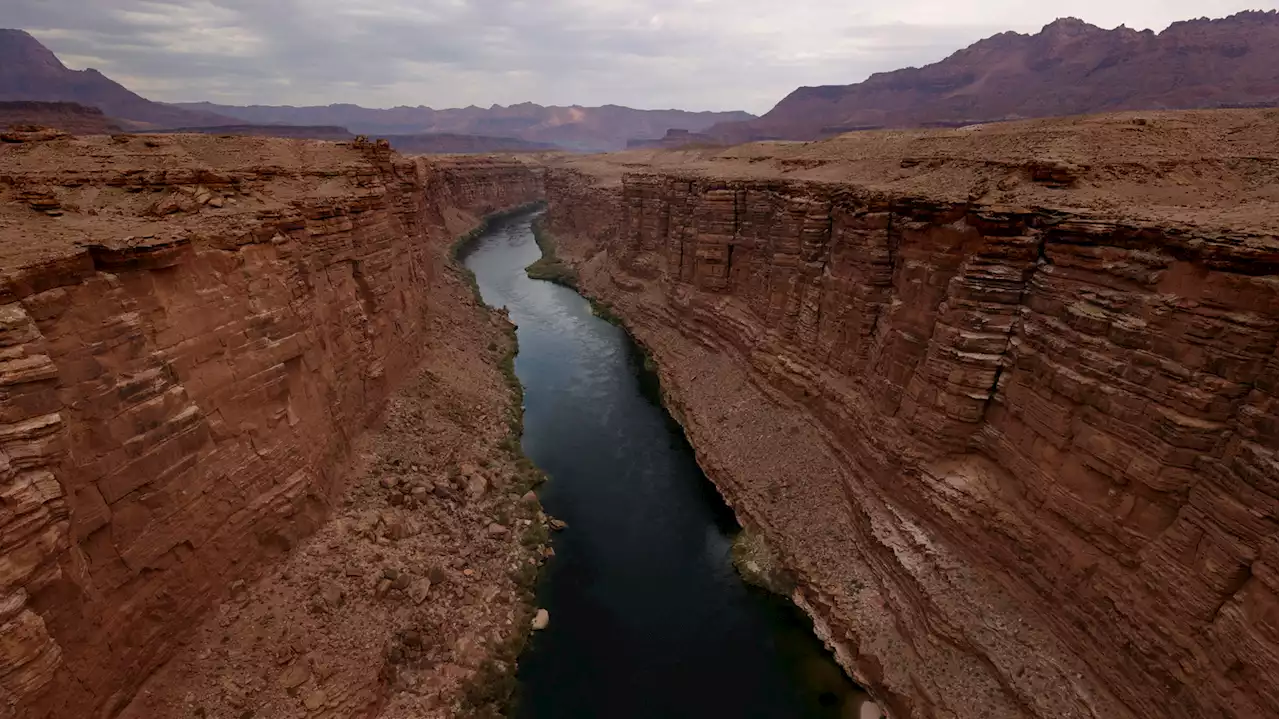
[
  {"x": 29, "y": 71},
  {"x": 575, "y": 127},
  {"x": 420, "y": 143},
  {"x": 1069, "y": 68}
]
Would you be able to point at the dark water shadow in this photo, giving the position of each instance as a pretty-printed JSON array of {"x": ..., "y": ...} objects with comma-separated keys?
[{"x": 648, "y": 616}]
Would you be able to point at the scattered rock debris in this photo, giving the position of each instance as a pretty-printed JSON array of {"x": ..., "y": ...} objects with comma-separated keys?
[{"x": 404, "y": 603}]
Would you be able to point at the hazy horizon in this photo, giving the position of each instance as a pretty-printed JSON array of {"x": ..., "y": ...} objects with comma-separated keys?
[{"x": 660, "y": 54}]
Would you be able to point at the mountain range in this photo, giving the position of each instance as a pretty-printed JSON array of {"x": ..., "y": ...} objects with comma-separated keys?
[
  {"x": 575, "y": 127},
  {"x": 1069, "y": 68},
  {"x": 29, "y": 71}
]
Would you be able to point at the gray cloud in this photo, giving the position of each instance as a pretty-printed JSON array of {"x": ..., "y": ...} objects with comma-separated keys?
[{"x": 694, "y": 54}]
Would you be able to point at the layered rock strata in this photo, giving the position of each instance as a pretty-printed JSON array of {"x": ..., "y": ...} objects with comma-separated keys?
[
  {"x": 193, "y": 332},
  {"x": 1003, "y": 399}
]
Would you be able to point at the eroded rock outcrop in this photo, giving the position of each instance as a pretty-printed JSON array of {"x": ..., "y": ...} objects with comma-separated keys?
[
  {"x": 1014, "y": 431},
  {"x": 193, "y": 331}
]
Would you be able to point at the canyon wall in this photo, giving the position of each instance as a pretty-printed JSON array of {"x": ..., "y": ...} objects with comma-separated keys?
[
  {"x": 193, "y": 332},
  {"x": 1021, "y": 457}
]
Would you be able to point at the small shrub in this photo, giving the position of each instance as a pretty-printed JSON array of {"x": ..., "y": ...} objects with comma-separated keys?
[
  {"x": 534, "y": 535},
  {"x": 549, "y": 267}
]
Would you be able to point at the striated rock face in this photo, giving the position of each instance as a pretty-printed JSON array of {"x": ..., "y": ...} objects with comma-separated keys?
[
  {"x": 192, "y": 333},
  {"x": 1020, "y": 456}
]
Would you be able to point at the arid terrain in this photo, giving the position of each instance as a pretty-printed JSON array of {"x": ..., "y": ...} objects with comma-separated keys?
[
  {"x": 65, "y": 116},
  {"x": 198, "y": 333},
  {"x": 1001, "y": 397},
  {"x": 999, "y": 400},
  {"x": 420, "y": 144}
]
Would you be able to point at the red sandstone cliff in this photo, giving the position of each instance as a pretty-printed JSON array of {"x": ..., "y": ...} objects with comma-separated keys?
[
  {"x": 1003, "y": 398},
  {"x": 193, "y": 331},
  {"x": 1068, "y": 68}
]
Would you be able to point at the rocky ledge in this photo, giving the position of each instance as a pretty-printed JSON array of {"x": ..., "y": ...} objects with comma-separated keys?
[
  {"x": 194, "y": 334},
  {"x": 1002, "y": 398}
]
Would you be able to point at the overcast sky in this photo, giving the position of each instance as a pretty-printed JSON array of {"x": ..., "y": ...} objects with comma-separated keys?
[{"x": 691, "y": 54}]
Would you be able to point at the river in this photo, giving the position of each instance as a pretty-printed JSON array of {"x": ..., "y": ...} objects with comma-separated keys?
[{"x": 649, "y": 619}]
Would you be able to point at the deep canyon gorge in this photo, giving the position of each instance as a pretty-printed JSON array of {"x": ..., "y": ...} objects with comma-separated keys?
[
  {"x": 197, "y": 330},
  {"x": 1001, "y": 399}
]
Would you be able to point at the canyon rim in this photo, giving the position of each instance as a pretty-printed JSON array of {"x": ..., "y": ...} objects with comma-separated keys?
[
  {"x": 1010, "y": 420},
  {"x": 997, "y": 401},
  {"x": 198, "y": 331}
]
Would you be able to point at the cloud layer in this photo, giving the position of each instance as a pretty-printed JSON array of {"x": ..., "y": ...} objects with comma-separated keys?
[{"x": 691, "y": 54}]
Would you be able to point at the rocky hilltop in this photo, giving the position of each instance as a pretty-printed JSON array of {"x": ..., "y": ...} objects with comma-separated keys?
[
  {"x": 1068, "y": 68},
  {"x": 29, "y": 71},
  {"x": 195, "y": 333},
  {"x": 1003, "y": 398}
]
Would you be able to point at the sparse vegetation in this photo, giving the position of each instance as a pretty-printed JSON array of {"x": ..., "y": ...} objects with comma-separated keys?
[
  {"x": 758, "y": 564},
  {"x": 491, "y": 691},
  {"x": 550, "y": 267},
  {"x": 465, "y": 242},
  {"x": 604, "y": 311},
  {"x": 535, "y": 535}
]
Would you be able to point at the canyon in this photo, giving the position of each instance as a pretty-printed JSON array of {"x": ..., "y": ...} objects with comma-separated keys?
[
  {"x": 197, "y": 331},
  {"x": 1002, "y": 398},
  {"x": 1000, "y": 401}
]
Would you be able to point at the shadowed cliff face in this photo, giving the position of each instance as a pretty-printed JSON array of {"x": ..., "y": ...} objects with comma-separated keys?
[
  {"x": 193, "y": 332},
  {"x": 1022, "y": 460}
]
